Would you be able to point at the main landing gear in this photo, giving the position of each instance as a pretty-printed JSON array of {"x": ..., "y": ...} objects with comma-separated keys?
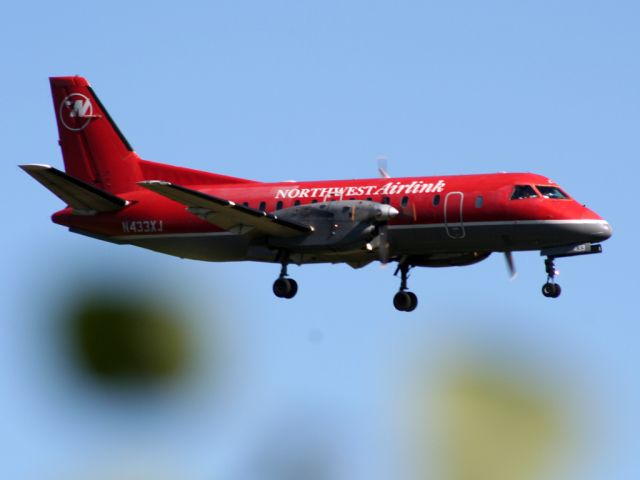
[
  {"x": 285, "y": 287},
  {"x": 404, "y": 300},
  {"x": 551, "y": 289}
]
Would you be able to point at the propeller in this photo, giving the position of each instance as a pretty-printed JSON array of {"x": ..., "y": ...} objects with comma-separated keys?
[
  {"x": 380, "y": 241},
  {"x": 382, "y": 167},
  {"x": 508, "y": 256},
  {"x": 383, "y": 247}
]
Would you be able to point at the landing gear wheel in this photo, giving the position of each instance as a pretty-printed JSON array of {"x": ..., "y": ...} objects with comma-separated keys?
[
  {"x": 405, "y": 301},
  {"x": 414, "y": 301},
  {"x": 551, "y": 290},
  {"x": 294, "y": 288},
  {"x": 401, "y": 301},
  {"x": 285, "y": 287}
]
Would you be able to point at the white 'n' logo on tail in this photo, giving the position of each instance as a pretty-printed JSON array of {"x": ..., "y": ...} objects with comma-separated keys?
[{"x": 76, "y": 111}]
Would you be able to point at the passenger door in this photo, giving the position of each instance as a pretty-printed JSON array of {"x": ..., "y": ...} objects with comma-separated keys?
[{"x": 453, "y": 219}]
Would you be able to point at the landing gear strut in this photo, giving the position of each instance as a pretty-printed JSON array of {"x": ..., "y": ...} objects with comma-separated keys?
[
  {"x": 285, "y": 287},
  {"x": 551, "y": 289},
  {"x": 404, "y": 300}
]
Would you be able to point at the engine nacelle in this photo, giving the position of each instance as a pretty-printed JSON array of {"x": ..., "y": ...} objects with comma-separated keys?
[{"x": 339, "y": 225}]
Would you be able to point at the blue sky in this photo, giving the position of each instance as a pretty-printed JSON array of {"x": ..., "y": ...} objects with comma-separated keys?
[{"x": 313, "y": 90}]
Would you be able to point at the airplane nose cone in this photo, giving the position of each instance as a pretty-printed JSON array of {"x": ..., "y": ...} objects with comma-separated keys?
[
  {"x": 607, "y": 230},
  {"x": 599, "y": 231},
  {"x": 594, "y": 226}
]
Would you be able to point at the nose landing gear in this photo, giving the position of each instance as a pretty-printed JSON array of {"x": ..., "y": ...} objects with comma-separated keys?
[
  {"x": 285, "y": 287},
  {"x": 551, "y": 289},
  {"x": 404, "y": 300}
]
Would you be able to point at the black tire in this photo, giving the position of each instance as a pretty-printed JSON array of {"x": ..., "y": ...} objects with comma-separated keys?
[
  {"x": 402, "y": 301},
  {"x": 548, "y": 289},
  {"x": 414, "y": 302},
  {"x": 293, "y": 288},
  {"x": 556, "y": 291},
  {"x": 282, "y": 287}
]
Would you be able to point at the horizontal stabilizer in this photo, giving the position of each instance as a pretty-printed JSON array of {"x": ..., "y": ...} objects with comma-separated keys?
[
  {"x": 225, "y": 213},
  {"x": 85, "y": 199}
]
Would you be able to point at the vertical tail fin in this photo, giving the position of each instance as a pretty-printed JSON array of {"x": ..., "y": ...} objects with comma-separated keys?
[{"x": 93, "y": 148}]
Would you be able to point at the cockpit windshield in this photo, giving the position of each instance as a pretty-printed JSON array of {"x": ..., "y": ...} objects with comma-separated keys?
[
  {"x": 523, "y": 191},
  {"x": 548, "y": 191}
]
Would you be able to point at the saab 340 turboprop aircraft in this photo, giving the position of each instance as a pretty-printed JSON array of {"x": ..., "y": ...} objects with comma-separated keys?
[{"x": 114, "y": 195}]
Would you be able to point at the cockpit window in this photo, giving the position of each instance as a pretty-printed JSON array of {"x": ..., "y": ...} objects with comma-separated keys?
[
  {"x": 552, "y": 192},
  {"x": 523, "y": 191}
]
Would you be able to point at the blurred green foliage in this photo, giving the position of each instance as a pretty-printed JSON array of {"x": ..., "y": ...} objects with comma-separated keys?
[
  {"x": 125, "y": 338},
  {"x": 494, "y": 427}
]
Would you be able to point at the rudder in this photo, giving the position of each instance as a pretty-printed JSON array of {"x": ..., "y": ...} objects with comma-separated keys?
[{"x": 93, "y": 148}]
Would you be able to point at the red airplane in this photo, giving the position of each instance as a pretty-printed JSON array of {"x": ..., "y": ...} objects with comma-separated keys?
[{"x": 114, "y": 195}]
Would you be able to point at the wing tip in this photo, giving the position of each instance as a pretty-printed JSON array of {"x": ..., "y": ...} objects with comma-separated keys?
[{"x": 35, "y": 167}]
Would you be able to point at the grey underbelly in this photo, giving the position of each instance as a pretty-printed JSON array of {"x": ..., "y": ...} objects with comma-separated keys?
[{"x": 404, "y": 240}]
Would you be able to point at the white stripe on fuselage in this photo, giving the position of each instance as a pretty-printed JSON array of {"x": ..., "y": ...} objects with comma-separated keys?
[
  {"x": 503, "y": 223},
  {"x": 173, "y": 235},
  {"x": 392, "y": 227}
]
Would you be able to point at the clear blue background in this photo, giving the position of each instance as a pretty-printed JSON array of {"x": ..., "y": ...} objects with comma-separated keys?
[{"x": 313, "y": 90}]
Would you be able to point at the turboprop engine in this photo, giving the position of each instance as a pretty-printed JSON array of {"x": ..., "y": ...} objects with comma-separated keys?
[{"x": 341, "y": 225}]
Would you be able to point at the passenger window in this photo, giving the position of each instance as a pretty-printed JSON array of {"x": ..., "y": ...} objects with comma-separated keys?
[
  {"x": 479, "y": 201},
  {"x": 279, "y": 205},
  {"x": 296, "y": 203},
  {"x": 523, "y": 191},
  {"x": 552, "y": 192},
  {"x": 369, "y": 199},
  {"x": 436, "y": 200},
  {"x": 385, "y": 200},
  {"x": 262, "y": 206},
  {"x": 405, "y": 201},
  {"x": 314, "y": 201},
  {"x": 245, "y": 204}
]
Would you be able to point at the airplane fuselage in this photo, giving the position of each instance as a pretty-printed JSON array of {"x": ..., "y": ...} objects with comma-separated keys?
[{"x": 439, "y": 219}]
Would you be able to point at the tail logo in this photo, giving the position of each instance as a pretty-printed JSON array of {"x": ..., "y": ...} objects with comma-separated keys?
[{"x": 76, "y": 111}]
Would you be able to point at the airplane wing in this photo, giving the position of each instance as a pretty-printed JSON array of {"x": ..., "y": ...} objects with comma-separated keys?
[
  {"x": 225, "y": 213},
  {"x": 84, "y": 198}
]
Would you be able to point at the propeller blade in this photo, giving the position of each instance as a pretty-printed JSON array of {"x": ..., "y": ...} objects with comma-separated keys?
[
  {"x": 510, "y": 265},
  {"x": 383, "y": 244},
  {"x": 382, "y": 167}
]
